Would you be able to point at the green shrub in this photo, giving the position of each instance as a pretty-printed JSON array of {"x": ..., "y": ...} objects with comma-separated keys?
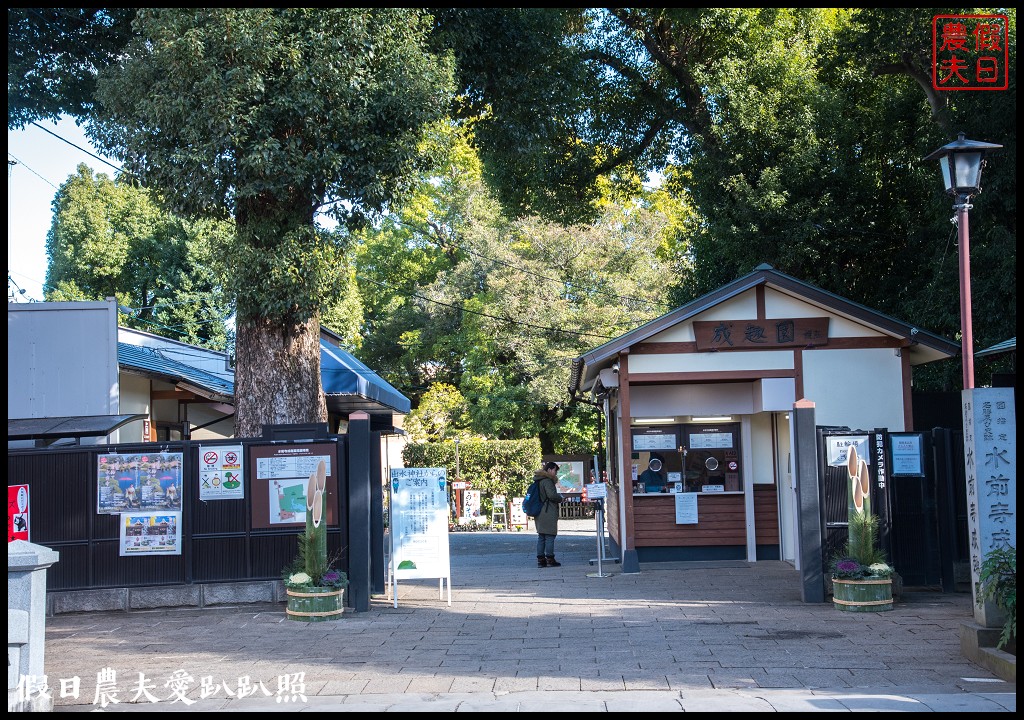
[
  {"x": 495, "y": 467},
  {"x": 998, "y": 582}
]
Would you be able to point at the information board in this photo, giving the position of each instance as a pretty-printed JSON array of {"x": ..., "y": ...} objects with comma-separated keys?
[
  {"x": 220, "y": 473},
  {"x": 686, "y": 508},
  {"x": 279, "y": 476},
  {"x": 659, "y": 441},
  {"x": 419, "y": 527}
]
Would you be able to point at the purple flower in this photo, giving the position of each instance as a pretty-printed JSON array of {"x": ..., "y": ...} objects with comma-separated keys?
[
  {"x": 331, "y": 576},
  {"x": 847, "y": 566}
]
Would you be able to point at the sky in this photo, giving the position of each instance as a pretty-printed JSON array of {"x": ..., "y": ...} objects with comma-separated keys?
[{"x": 42, "y": 163}]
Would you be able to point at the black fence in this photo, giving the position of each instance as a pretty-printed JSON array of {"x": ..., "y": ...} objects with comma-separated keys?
[
  {"x": 220, "y": 542},
  {"x": 923, "y": 523}
]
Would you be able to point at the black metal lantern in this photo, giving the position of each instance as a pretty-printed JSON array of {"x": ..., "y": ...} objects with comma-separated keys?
[{"x": 961, "y": 162}]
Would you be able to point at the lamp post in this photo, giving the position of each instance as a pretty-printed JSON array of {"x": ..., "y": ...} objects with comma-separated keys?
[{"x": 961, "y": 162}]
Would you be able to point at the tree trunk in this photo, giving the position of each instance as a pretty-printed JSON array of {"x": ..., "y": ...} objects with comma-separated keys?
[{"x": 277, "y": 375}]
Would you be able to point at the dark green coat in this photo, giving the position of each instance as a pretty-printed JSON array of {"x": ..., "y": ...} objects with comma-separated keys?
[{"x": 547, "y": 522}]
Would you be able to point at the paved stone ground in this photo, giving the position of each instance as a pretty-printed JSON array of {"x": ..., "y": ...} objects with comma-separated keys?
[{"x": 675, "y": 636}]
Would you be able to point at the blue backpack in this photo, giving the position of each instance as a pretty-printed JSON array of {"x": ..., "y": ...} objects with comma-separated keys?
[{"x": 532, "y": 504}]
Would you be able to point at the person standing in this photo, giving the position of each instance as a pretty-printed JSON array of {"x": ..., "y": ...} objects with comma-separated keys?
[{"x": 547, "y": 521}]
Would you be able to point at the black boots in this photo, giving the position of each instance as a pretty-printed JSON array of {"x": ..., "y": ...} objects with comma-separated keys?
[
  {"x": 552, "y": 562},
  {"x": 542, "y": 561}
]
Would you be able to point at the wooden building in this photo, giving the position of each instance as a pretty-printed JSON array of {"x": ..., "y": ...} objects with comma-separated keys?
[{"x": 697, "y": 405}]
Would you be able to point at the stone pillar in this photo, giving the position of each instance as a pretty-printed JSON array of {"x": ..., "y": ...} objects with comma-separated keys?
[
  {"x": 990, "y": 461},
  {"x": 808, "y": 497},
  {"x": 26, "y": 626}
]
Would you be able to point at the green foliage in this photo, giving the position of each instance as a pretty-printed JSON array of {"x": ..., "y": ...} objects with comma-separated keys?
[
  {"x": 268, "y": 116},
  {"x": 111, "y": 239},
  {"x": 861, "y": 557},
  {"x": 496, "y": 467},
  {"x": 796, "y": 133},
  {"x": 441, "y": 414},
  {"x": 53, "y": 55},
  {"x": 998, "y": 583}
]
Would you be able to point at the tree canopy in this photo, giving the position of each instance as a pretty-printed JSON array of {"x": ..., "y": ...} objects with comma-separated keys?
[
  {"x": 111, "y": 239},
  {"x": 488, "y": 169},
  {"x": 797, "y": 133},
  {"x": 266, "y": 116}
]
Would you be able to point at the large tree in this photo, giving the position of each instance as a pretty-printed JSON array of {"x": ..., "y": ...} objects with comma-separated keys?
[
  {"x": 458, "y": 294},
  {"x": 53, "y": 55},
  {"x": 798, "y": 134},
  {"x": 267, "y": 116},
  {"x": 111, "y": 239}
]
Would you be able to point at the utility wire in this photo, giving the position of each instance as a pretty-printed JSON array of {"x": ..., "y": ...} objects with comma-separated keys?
[
  {"x": 34, "y": 172},
  {"x": 493, "y": 317},
  {"x": 78, "y": 147}
]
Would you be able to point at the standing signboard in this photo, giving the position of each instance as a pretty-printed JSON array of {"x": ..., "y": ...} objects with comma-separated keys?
[{"x": 419, "y": 528}]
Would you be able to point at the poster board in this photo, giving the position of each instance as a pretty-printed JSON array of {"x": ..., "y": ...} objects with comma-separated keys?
[
  {"x": 419, "y": 527},
  {"x": 138, "y": 482},
  {"x": 516, "y": 515},
  {"x": 17, "y": 513},
  {"x": 279, "y": 478},
  {"x": 149, "y": 533}
]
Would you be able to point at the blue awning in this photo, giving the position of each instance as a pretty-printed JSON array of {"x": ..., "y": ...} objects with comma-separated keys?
[{"x": 350, "y": 385}]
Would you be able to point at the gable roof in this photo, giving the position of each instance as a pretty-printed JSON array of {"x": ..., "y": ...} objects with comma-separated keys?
[{"x": 926, "y": 346}]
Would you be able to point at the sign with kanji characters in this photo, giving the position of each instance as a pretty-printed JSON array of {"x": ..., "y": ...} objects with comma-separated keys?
[
  {"x": 419, "y": 526},
  {"x": 17, "y": 513},
  {"x": 138, "y": 482},
  {"x": 990, "y": 462},
  {"x": 970, "y": 52},
  {"x": 760, "y": 334},
  {"x": 220, "y": 473},
  {"x": 150, "y": 534}
]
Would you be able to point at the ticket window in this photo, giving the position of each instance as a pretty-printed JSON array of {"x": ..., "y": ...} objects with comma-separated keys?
[
  {"x": 657, "y": 459},
  {"x": 667, "y": 466},
  {"x": 712, "y": 458}
]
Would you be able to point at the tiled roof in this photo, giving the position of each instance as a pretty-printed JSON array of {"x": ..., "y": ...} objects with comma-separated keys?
[{"x": 152, "y": 362}]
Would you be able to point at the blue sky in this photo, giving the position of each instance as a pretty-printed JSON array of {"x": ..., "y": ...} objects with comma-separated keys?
[{"x": 42, "y": 163}]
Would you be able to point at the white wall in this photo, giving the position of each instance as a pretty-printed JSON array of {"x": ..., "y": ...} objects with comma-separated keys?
[
  {"x": 135, "y": 400},
  {"x": 861, "y": 389},
  {"x": 62, "y": 360},
  {"x": 672, "y": 400}
]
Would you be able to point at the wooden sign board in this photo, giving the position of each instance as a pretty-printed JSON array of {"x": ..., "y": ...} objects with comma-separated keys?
[{"x": 760, "y": 334}]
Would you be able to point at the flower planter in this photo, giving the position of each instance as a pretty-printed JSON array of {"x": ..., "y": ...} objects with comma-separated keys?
[
  {"x": 868, "y": 595},
  {"x": 315, "y": 604}
]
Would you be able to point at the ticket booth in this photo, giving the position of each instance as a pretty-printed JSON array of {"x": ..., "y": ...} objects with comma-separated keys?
[{"x": 698, "y": 403}]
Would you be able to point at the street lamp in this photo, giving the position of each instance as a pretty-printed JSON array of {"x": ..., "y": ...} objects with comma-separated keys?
[{"x": 961, "y": 162}]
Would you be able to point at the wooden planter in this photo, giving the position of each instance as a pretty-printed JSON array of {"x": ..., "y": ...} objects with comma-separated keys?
[
  {"x": 315, "y": 604},
  {"x": 869, "y": 595}
]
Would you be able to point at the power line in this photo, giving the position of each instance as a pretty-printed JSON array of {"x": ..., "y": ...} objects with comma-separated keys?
[
  {"x": 78, "y": 147},
  {"x": 34, "y": 172},
  {"x": 571, "y": 285}
]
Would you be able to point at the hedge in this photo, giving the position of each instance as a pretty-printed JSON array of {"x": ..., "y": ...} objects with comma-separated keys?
[{"x": 495, "y": 467}]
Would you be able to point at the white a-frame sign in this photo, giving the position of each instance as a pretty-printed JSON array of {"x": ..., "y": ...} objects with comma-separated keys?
[{"x": 419, "y": 528}]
